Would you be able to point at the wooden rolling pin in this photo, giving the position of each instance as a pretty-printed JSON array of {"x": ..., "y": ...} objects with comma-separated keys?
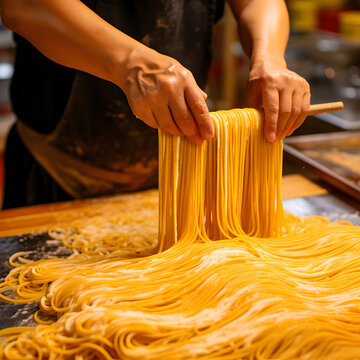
[{"x": 326, "y": 108}]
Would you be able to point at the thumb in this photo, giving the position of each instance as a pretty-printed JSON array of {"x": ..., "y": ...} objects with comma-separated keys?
[{"x": 253, "y": 96}]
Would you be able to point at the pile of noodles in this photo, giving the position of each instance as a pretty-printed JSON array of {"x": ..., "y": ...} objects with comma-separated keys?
[{"x": 232, "y": 276}]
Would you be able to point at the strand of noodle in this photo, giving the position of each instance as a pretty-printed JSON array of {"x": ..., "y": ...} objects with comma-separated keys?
[{"x": 257, "y": 292}]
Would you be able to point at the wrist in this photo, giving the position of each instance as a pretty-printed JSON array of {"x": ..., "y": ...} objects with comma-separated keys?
[
  {"x": 262, "y": 58},
  {"x": 122, "y": 59}
]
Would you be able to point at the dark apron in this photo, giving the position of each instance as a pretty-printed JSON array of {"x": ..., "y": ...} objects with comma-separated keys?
[{"x": 99, "y": 147}]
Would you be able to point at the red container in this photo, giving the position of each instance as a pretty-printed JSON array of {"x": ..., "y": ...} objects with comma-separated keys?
[{"x": 328, "y": 20}]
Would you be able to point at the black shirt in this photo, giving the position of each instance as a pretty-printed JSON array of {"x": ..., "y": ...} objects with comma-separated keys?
[{"x": 41, "y": 88}]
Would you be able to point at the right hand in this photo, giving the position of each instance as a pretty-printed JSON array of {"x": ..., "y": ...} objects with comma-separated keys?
[{"x": 164, "y": 94}]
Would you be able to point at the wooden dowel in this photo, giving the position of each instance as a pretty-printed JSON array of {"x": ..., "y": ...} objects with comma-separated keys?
[{"x": 326, "y": 108}]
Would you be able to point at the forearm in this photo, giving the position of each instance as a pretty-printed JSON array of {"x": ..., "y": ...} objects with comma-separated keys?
[
  {"x": 284, "y": 95},
  {"x": 69, "y": 33},
  {"x": 160, "y": 91},
  {"x": 263, "y": 27}
]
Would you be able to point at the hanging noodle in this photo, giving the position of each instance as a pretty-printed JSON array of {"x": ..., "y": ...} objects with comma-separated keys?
[
  {"x": 272, "y": 285},
  {"x": 232, "y": 181}
]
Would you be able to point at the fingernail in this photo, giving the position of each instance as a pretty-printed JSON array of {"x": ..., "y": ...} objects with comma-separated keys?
[{"x": 271, "y": 137}]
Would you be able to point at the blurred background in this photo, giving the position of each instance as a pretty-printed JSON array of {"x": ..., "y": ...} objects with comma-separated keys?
[
  {"x": 324, "y": 48},
  {"x": 7, "y": 53}
]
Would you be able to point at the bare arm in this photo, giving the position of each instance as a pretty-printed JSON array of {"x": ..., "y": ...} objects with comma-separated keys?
[
  {"x": 69, "y": 33},
  {"x": 285, "y": 96},
  {"x": 160, "y": 91}
]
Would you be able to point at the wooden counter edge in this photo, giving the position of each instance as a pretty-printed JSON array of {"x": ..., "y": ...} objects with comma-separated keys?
[{"x": 43, "y": 217}]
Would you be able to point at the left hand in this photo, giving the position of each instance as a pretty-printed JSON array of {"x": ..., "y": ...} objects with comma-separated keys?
[{"x": 285, "y": 97}]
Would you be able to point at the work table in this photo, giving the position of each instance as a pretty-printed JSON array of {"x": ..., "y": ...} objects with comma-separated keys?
[
  {"x": 301, "y": 197},
  {"x": 40, "y": 218}
]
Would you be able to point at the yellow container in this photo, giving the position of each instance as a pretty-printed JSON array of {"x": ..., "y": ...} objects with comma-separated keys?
[
  {"x": 303, "y": 14},
  {"x": 349, "y": 24},
  {"x": 331, "y": 4}
]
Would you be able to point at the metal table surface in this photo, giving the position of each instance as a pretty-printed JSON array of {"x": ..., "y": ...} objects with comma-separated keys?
[{"x": 43, "y": 247}]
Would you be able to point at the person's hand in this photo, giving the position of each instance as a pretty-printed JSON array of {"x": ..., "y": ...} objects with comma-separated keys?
[
  {"x": 164, "y": 94},
  {"x": 285, "y": 97}
]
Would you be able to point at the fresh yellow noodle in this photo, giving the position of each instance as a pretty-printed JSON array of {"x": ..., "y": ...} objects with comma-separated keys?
[
  {"x": 232, "y": 181},
  {"x": 272, "y": 285}
]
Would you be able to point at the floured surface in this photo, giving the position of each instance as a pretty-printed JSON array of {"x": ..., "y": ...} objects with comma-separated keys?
[
  {"x": 22, "y": 315},
  {"x": 239, "y": 278}
]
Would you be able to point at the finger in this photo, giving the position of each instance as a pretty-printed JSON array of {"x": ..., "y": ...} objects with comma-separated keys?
[
  {"x": 148, "y": 118},
  {"x": 303, "y": 114},
  {"x": 296, "y": 106},
  {"x": 166, "y": 121},
  {"x": 199, "y": 112},
  {"x": 253, "y": 96},
  {"x": 193, "y": 82},
  {"x": 270, "y": 98},
  {"x": 204, "y": 94},
  {"x": 184, "y": 119},
  {"x": 285, "y": 106}
]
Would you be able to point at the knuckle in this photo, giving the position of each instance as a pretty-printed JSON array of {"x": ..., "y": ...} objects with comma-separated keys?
[
  {"x": 200, "y": 106},
  {"x": 273, "y": 124},
  {"x": 292, "y": 80},
  {"x": 285, "y": 112},
  {"x": 185, "y": 73},
  {"x": 306, "y": 108},
  {"x": 269, "y": 77},
  {"x": 167, "y": 84},
  {"x": 288, "y": 78},
  {"x": 268, "y": 80},
  {"x": 274, "y": 109},
  {"x": 296, "y": 110},
  {"x": 305, "y": 84}
]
